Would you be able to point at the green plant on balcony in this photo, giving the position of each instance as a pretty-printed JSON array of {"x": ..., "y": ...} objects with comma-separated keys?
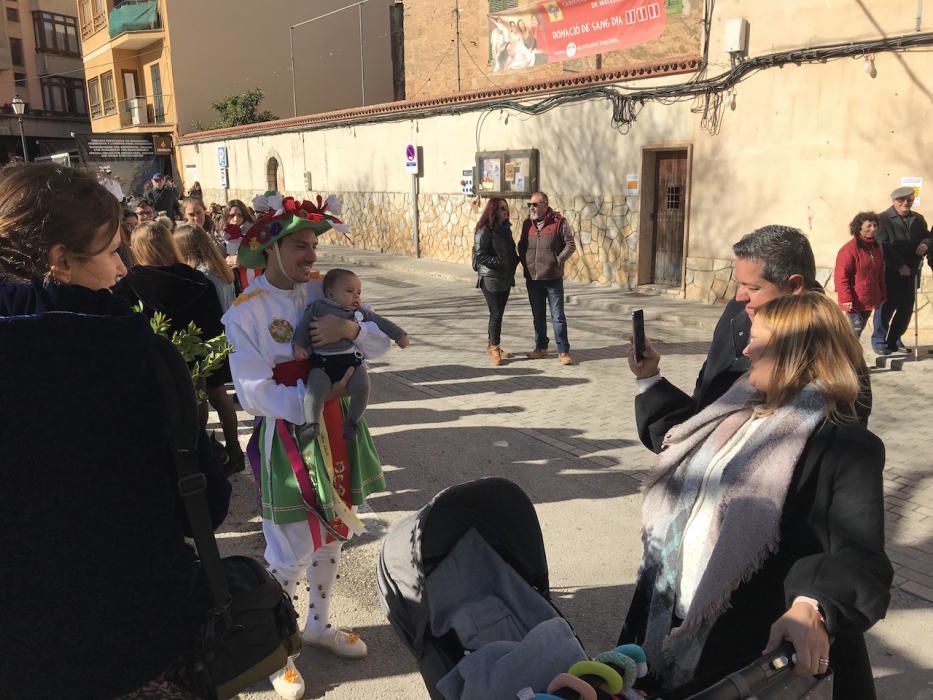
[{"x": 237, "y": 110}]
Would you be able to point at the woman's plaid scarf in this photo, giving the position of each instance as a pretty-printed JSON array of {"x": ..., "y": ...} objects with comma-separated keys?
[{"x": 754, "y": 485}]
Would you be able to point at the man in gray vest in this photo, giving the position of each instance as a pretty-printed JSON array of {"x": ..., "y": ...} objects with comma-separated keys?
[{"x": 545, "y": 245}]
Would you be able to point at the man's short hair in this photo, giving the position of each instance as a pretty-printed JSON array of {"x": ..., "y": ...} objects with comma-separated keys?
[
  {"x": 783, "y": 251},
  {"x": 543, "y": 196}
]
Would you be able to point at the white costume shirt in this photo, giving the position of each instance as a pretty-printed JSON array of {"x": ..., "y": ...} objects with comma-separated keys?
[{"x": 260, "y": 326}]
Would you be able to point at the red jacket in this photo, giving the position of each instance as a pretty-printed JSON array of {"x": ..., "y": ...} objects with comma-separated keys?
[{"x": 859, "y": 275}]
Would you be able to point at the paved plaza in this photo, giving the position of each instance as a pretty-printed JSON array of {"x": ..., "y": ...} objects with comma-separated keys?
[{"x": 441, "y": 414}]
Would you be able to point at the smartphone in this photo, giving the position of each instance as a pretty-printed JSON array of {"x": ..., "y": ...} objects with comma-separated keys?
[{"x": 638, "y": 334}]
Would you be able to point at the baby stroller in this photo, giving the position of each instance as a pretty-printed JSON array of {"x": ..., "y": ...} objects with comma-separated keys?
[{"x": 464, "y": 583}]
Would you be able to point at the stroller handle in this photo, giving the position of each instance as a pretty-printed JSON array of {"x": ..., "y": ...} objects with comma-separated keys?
[{"x": 739, "y": 684}]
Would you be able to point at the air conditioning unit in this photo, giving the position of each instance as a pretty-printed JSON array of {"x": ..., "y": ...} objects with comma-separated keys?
[{"x": 137, "y": 109}]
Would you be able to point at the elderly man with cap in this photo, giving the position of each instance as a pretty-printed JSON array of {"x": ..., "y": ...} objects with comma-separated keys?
[{"x": 905, "y": 239}]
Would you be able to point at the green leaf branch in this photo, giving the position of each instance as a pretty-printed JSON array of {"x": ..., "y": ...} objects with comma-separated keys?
[{"x": 204, "y": 357}]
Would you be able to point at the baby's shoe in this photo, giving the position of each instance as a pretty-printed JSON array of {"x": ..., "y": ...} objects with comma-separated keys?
[
  {"x": 288, "y": 682},
  {"x": 339, "y": 642},
  {"x": 308, "y": 433}
]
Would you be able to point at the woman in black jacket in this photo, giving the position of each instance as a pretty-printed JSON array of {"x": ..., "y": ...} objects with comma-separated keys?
[
  {"x": 98, "y": 588},
  {"x": 495, "y": 260},
  {"x": 160, "y": 281},
  {"x": 763, "y": 518}
]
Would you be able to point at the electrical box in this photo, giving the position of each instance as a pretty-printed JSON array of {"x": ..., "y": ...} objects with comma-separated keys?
[
  {"x": 466, "y": 180},
  {"x": 735, "y": 36}
]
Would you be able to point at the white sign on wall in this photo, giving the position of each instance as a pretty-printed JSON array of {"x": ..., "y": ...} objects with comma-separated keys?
[
  {"x": 223, "y": 178},
  {"x": 222, "y": 156},
  {"x": 632, "y": 182},
  {"x": 916, "y": 183}
]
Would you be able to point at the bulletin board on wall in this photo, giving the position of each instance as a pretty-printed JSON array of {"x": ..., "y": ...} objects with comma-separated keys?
[{"x": 507, "y": 173}]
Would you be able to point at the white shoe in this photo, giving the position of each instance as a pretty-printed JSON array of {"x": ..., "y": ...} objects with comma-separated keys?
[
  {"x": 287, "y": 682},
  {"x": 339, "y": 642}
]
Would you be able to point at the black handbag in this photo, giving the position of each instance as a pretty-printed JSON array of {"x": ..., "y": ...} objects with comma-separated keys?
[{"x": 249, "y": 626}]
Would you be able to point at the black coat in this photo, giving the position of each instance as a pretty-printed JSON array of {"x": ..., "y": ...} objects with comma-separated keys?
[
  {"x": 184, "y": 295},
  {"x": 899, "y": 240},
  {"x": 831, "y": 549},
  {"x": 97, "y": 582},
  {"x": 494, "y": 259},
  {"x": 663, "y": 406}
]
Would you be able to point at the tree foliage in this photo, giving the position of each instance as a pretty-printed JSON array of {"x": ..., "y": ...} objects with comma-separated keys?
[{"x": 237, "y": 110}]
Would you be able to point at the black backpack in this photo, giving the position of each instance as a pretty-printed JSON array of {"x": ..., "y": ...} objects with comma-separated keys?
[{"x": 249, "y": 626}]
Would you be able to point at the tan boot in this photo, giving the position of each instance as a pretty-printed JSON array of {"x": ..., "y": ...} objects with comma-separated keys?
[
  {"x": 502, "y": 353},
  {"x": 495, "y": 354}
]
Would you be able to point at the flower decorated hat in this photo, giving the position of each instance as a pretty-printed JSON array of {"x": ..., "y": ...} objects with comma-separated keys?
[{"x": 281, "y": 217}]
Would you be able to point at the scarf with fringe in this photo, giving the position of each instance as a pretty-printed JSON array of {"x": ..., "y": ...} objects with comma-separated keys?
[{"x": 753, "y": 488}]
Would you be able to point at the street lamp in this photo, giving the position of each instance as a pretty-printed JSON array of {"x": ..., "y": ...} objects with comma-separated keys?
[
  {"x": 18, "y": 108},
  {"x": 291, "y": 49}
]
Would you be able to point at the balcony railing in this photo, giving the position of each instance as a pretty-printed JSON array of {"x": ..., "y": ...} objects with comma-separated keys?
[
  {"x": 144, "y": 110},
  {"x": 134, "y": 16}
]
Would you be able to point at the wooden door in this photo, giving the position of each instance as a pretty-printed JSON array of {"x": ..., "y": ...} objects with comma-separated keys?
[{"x": 670, "y": 202}]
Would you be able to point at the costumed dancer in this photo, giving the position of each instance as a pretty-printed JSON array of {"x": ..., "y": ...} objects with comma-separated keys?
[{"x": 308, "y": 497}]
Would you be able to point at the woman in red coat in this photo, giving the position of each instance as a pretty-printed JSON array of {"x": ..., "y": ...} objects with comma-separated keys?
[{"x": 859, "y": 273}]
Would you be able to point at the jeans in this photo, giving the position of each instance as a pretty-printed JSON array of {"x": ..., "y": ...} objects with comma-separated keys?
[
  {"x": 496, "y": 302},
  {"x": 892, "y": 318},
  {"x": 858, "y": 319},
  {"x": 550, "y": 292}
]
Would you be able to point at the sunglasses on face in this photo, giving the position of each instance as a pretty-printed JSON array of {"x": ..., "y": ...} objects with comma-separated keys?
[{"x": 534, "y": 204}]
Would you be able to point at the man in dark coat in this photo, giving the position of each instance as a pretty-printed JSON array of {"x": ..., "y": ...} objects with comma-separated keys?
[
  {"x": 163, "y": 197},
  {"x": 770, "y": 262},
  {"x": 904, "y": 237}
]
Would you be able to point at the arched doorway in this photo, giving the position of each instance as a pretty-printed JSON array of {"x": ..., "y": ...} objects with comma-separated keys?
[{"x": 275, "y": 177}]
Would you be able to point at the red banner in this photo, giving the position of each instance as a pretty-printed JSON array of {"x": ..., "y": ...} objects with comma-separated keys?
[{"x": 557, "y": 30}]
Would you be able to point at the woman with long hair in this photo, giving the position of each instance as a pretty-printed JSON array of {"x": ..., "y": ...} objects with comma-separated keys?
[
  {"x": 763, "y": 518},
  {"x": 92, "y": 531},
  {"x": 237, "y": 218},
  {"x": 197, "y": 250},
  {"x": 193, "y": 212},
  {"x": 495, "y": 260},
  {"x": 162, "y": 282}
]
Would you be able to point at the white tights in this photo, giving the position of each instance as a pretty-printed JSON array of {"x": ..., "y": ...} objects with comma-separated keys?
[{"x": 288, "y": 551}]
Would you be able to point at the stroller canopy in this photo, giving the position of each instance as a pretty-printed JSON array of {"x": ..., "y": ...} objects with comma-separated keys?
[{"x": 496, "y": 508}]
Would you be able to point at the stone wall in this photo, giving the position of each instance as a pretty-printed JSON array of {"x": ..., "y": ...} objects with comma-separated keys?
[{"x": 603, "y": 228}]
